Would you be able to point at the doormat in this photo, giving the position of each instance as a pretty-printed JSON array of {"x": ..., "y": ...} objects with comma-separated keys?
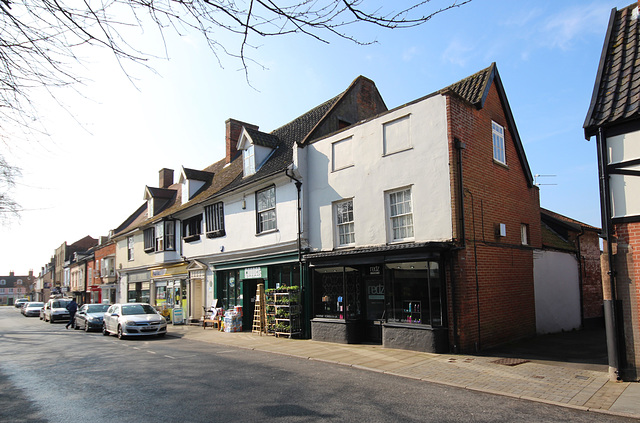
[{"x": 510, "y": 361}]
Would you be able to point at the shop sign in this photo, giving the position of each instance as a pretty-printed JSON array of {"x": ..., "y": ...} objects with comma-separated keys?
[
  {"x": 158, "y": 272},
  {"x": 376, "y": 292},
  {"x": 178, "y": 316},
  {"x": 374, "y": 270},
  {"x": 253, "y": 272},
  {"x": 138, "y": 277}
]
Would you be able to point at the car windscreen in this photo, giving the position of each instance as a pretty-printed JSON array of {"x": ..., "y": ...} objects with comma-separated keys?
[
  {"x": 60, "y": 304},
  {"x": 97, "y": 308},
  {"x": 35, "y": 305},
  {"x": 137, "y": 309}
]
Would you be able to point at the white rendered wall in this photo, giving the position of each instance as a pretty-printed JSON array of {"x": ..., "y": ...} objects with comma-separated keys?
[
  {"x": 424, "y": 167},
  {"x": 557, "y": 291},
  {"x": 240, "y": 224},
  {"x": 624, "y": 188}
]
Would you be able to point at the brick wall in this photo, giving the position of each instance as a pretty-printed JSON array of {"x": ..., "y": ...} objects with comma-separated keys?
[
  {"x": 493, "y": 194},
  {"x": 627, "y": 257}
]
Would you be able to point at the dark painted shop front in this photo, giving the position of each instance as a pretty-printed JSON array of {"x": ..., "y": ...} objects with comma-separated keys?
[{"x": 394, "y": 299}]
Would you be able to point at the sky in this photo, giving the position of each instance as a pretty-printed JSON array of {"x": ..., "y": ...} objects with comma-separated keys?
[{"x": 108, "y": 138}]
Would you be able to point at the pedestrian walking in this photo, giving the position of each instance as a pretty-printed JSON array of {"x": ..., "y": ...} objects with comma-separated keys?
[{"x": 72, "y": 307}]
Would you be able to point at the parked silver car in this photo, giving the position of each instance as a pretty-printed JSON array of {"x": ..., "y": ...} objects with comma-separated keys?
[
  {"x": 32, "y": 308},
  {"x": 90, "y": 316},
  {"x": 133, "y": 319}
]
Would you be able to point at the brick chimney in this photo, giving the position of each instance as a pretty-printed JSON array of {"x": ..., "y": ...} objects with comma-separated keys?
[
  {"x": 233, "y": 130},
  {"x": 166, "y": 177}
]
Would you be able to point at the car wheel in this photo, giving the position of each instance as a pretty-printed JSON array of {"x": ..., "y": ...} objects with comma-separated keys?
[
  {"x": 120, "y": 334},
  {"x": 105, "y": 332},
  {"x": 51, "y": 319},
  {"x": 86, "y": 326}
]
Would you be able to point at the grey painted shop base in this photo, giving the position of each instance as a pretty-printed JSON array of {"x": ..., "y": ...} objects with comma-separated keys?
[{"x": 394, "y": 335}]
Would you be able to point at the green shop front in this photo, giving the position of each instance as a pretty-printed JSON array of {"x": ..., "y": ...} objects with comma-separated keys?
[
  {"x": 391, "y": 296},
  {"x": 236, "y": 283}
]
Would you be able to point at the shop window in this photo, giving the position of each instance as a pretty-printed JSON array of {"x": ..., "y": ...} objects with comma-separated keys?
[
  {"x": 416, "y": 292},
  {"x": 337, "y": 293}
]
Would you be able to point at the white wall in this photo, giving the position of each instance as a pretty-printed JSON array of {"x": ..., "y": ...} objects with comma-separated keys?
[
  {"x": 424, "y": 167},
  {"x": 240, "y": 224},
  {"x": 557, "y": 291},
  {"x": 624, "y": 188}
]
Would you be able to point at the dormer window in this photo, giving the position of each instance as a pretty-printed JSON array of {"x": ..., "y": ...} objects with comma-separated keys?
[
  {"x": 249, "y": 160},
  {"x": 256, "y": 148}
]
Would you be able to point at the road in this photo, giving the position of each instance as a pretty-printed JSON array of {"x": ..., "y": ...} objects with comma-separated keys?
[{"x": 51, "y": 374}]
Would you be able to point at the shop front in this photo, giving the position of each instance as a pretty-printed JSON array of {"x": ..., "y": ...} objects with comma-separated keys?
[
  {"x": 391, "y": 299},
  {"x": 109, "y": 293},
  {"x": 169, "y": 289},
  {"x": 94, "y": 292},
  {"x": 236, "y": 284}
]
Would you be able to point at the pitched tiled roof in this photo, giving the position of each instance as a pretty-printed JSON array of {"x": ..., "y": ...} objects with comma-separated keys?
[
  {"x": 616, "y": 93},
  {"x": 552, "y": 239},
  {"x": 263, "y": 139},
  {"x": 575, "y": 224},
  {"x": 287, "y": 136},
  {"x": 198, "y": 175},
  {"x": 474, "y": 88}
]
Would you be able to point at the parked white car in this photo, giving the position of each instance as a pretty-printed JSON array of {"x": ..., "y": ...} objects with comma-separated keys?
[
  {"x": 56, "y": 309},
  {"x": 133, "y": 319}
]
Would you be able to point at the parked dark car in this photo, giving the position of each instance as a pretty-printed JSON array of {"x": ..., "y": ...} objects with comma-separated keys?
[
  {"x": 32, "y": 308},
  {"x": 90, "y": 316}
]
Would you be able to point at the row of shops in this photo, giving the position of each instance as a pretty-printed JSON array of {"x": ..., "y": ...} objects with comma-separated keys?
[{"x": 395, "y": 297}]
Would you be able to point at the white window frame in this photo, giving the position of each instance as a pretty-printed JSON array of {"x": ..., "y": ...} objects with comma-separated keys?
[
  {"x": 344, "y": 223},
  {"x": 266, "y": 219},
  {"x": 249, "y": 160},
  {"x": 499, "y": 151},
  {"x": 130, "y": 247},
  {"x": 400, "y": 213},
  {"x": 342, "y": 154}
]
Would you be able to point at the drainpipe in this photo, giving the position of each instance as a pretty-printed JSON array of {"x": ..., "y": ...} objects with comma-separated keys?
[
  {"x": 610, "y": 312},
  {"x": 459, "y": 146},
  {"x": 475, "y": 258},
  {"x": 298, "y": 188}
]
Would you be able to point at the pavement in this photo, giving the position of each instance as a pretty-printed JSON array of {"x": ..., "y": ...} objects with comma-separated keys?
[{"x": 516, "y": 372}]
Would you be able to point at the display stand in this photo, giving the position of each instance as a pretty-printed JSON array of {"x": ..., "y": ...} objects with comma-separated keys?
[{"x": 284, "y": 312}]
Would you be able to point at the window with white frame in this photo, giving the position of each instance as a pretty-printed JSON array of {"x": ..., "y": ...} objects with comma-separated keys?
[
  {"x": 498, "y": 143},
  {"x": 108, "y": 267},
  {"x": 249, "y": 160},
  {"x": 266, "y": 209},
  {"x": 400, "y": 214},
  {"x": 342, "y": 154},
  {"x": 345, "y": 230},
  {"x": 214, "y": 220},
  {"x": 396, "y": 135},
  {"x": 130, "y": 248},
  {"x": 165, "y": 236}
]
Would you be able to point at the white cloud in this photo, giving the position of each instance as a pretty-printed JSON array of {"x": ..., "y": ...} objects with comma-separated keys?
[
  {"x": 457, "y": 53},
  {"x": 409, "y": 53},
  {"x": 568, "y": 25}
]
